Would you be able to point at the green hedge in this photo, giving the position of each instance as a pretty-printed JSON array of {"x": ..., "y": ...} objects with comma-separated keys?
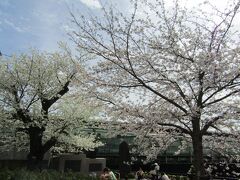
[
  {"x": 23, "y": 174},
  {"x": 173, "y": 177},
  {"x": 148, "y": 176}
]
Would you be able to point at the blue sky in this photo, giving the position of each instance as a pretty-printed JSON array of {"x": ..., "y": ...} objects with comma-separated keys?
[{"x": 41, "y": 23}]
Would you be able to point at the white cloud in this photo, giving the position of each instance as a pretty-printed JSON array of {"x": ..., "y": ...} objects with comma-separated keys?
[
  {"x": 12, "y": 25},
  {"x": 67, "y": 28},
  {"x": 92, "y": 3}
]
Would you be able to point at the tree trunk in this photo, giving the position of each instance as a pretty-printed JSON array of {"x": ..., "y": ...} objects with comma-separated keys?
[
  {"x": 124, "y": 160},
  {"x": 36, "y": 153},
  {"x": 37, "y": 148},
  {"x": 199, "y": 171}
]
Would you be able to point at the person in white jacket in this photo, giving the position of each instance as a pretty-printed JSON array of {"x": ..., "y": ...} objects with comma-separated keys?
[
  {"x": 157, "y": 169},
  {"x": 164, "y": 176}
]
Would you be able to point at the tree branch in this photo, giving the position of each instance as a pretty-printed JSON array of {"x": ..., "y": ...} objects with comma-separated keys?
[{"x": 183, "y": 130}]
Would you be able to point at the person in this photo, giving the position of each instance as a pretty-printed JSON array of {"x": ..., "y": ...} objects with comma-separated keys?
[
  {"x": 164, "y": 176},
  {"x": 152, "y": 172},
  {"x": 103, "y": 175},
  {"x": 191, "y": 172},
  {"x": 139, "y": 174},
  {"x": 107, "y": 174},
  {"x": 156, "y": 168},
  {"x": 155, "y": 171}
]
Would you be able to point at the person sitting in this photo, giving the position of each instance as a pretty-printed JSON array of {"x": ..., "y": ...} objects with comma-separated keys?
[
  {"x": 152, "y": 172},
  {"x": 139, "y": 174},
  {"x": 104, "y": 175},
  {"x": 164, "y": 176},
  {"x": 107, "y": 174}
]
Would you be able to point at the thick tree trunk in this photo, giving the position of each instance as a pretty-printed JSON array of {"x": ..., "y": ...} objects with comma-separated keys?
[
  {"x": 198, "y": 156},
  {"x": 199, "y": 171},
  {"x": 36, "y": 153},
  {"x": 37, "y": 148},
  {"x": 124, "y": 157}
]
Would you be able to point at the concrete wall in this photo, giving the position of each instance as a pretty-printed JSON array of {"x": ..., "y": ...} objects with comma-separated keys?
[{"x": 78, "y": 163}]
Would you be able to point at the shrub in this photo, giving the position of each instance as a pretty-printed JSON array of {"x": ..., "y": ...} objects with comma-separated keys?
[
  {"x": 23, "y": 174},
  {"x": 131, "y": 175},
  {"x": 174, "y": 177}
]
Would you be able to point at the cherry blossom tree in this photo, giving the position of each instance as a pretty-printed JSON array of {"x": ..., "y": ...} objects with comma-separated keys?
[
  {"x": 167, "y": 71},
  {"x": 38, "y": 111}
]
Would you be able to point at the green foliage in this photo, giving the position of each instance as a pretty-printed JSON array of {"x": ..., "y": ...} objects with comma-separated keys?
[
  {"x": 23, "y": 174},
  {"x": 131, "y": 175},
  {"x": 175, "y": 177}
]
